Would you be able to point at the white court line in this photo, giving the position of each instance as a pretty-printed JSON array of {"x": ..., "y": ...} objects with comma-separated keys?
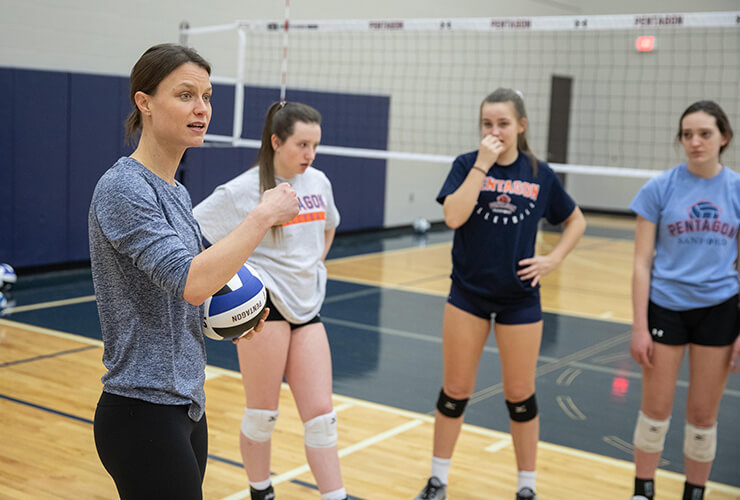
[
  {"x": 50, "y": 304},
  {"x": 424, "y": 291},
  {"x": 498, "y": 435},
  {"x": 569, "y": 408},
  {"x": 561, "y": 378},
  {"x": 342, "y": 407},
  {"x": 51, "y": 333},
  {"x": 375, "y": 283},
  {"x": 213, "y": 372},
  {"x": 287, "y": 476},
  {"x": 499, "y": 446},
  {"x": 352, "y": 258},
  {"x": 573, "y": 377}
]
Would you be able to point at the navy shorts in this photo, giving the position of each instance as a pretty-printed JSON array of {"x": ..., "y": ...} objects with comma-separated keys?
[
  {"x": 528, "y": 310},
  {"x": 710, "y": 326},
  {"x": 275, "y": 315}
]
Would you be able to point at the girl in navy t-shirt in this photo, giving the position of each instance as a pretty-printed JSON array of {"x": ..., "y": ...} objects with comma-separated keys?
[
  {"x": 494, "y": 199},
  {"x": 685, "y": 291}
]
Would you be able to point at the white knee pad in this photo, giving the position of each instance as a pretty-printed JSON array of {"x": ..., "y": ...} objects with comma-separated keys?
[
  {"x": 650, "y": 433},
  {"x": 700, "y": 443},
  {"x": 258, "y": 425},
  {"x": 321, "y": 432}
]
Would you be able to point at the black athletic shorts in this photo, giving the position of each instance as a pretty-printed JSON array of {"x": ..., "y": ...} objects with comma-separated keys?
[
  {"x": 711, "y": 326},
  {"x": 275, "y": 315},
  {"x": 528, "y": 310},
  {"x": 151, "y": 451}
]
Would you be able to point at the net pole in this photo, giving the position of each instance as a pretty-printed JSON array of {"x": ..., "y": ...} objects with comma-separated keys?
[
  {"x": 239, "y": 85},
  {"x": 284, "y": 69}
]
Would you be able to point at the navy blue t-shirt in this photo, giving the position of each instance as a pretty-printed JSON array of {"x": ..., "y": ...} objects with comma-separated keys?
[{"x": 502, "y": 229}]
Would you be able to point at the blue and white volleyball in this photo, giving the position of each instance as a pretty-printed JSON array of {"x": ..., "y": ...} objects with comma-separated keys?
[
  {"x": 7, "y": 276},
  {"x": 237, "y": 307},
  {"x": 421, "y": 225},
  {"x": 7, "y": 303}
]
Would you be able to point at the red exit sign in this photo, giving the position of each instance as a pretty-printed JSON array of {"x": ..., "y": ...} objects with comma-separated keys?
[{"x": 645, "y": 43}]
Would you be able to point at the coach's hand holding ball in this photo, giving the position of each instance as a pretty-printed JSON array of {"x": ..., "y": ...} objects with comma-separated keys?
[{"x": 236, "y": 309}]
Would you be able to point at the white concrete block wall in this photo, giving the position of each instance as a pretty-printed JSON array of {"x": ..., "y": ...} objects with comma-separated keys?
[{"x": 105, "y": 36}]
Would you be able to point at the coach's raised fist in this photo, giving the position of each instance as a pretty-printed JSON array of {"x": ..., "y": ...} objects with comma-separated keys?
[{"x": 282, "y": 203}]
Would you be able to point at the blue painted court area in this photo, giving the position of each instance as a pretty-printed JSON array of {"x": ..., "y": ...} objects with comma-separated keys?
[{"x": 386, "y": 347}]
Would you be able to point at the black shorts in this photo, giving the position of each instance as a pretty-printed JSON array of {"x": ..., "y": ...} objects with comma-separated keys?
[
  {"x": 526, "y": 311},
  {"x": 710, "y": 326},
  {"x": 275, "y": 315}
]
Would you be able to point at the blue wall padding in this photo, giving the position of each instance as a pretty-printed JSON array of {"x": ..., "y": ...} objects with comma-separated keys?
[
  {"x": 6, "y": 159},
  {"x": 348, "y": 120},
  {"x": 40, "y": 164},
  {"x": 95, "y": 133},
  {"x": 222, "y": 102},
  {"x": 60, "y": 131}
]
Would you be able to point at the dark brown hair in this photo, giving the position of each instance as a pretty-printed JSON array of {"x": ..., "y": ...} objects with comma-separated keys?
[
  {"x": 713, "y": 109},
  {"x": 153, "y": 67},
  {"x": 512, "y": 96},
  {"x": 280, "y": 120}
]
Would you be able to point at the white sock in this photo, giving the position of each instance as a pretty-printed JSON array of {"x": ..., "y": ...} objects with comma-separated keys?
[
  {"x": 441, "y": 468},
  {"x": 260, "y": 485},
  {"x": 339, "y": 494},
  {"x": 526, "y": 479}
]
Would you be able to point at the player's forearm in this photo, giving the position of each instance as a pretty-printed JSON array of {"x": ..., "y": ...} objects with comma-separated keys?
[
  {"x": 459, "y": 205},
  {"x": 573, "y": 228},
  {"x": 217, "y": 264}
]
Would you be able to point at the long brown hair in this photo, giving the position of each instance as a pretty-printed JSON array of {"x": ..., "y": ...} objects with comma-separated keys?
[
  {"x": 713, "y": 109},
  {"x": 153, "y": 67},
  {"x": 512, "y": 96},
  {"x": 280, "y": 121}
]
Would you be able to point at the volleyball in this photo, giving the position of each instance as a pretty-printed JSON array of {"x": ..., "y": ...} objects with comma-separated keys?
[
  {"x": 421, "y": 225},
  {"x": 7, "y": 276},
  {"x": 237, "y": 307}
]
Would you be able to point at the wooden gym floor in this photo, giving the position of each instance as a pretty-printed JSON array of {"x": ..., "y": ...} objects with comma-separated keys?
[{"x": 383, "y": 313}]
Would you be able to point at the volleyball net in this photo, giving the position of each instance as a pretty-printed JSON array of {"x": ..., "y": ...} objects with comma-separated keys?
[{"x": 606, "y": 92}]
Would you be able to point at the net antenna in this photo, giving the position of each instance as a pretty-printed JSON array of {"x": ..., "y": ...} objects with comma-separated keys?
[{"x": 284, "y": 69}]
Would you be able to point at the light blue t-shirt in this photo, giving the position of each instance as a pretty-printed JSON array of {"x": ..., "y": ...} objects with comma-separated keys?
[{"x": 697, "y": 223}]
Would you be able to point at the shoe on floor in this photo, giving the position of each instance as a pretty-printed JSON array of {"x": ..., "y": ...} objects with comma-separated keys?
[
  {"x": 266, "y": 494},
  {"x": 434, "y": 490},
  {"x": 526, "y": 493}
]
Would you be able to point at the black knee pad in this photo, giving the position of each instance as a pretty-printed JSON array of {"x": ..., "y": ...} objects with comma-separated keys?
[
  {"x": 450, "y": 407},
  {"x": 523, "y": 411}
]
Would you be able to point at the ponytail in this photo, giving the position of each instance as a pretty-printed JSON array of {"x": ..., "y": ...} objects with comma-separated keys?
[{"x": 280, "y": 121}]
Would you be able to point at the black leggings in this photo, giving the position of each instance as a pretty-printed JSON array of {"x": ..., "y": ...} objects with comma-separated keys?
[{"x": 151, "y": 451}]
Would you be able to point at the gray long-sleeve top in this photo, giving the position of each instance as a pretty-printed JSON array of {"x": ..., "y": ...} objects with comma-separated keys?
[{"x": 143, "y": 237}]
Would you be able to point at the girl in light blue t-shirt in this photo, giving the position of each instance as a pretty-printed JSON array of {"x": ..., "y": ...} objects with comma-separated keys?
[{"x": 685, "y": 291}]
